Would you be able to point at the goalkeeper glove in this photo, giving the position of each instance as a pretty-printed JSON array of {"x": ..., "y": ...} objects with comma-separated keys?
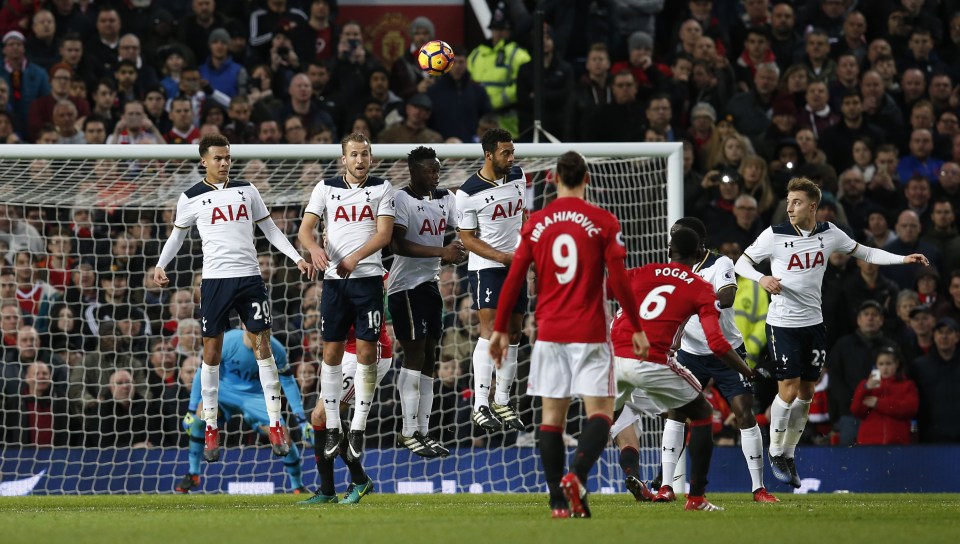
[
  {"x": 188, "y": 421},
  {"x": 307, "y": 431}
]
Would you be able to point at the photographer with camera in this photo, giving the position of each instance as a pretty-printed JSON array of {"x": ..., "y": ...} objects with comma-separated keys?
[{"x": 350, "y": 72}]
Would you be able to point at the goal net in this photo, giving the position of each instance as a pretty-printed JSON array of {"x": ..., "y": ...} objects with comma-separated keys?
[{"x": 85, "y": 328}]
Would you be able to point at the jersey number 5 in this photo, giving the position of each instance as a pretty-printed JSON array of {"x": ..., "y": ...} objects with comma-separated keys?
[
  {"x": 565, "y": 257},
  {"x": 654, "y": 303}
]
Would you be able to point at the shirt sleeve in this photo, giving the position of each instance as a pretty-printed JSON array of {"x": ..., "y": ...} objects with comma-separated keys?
[
  {"x": 726, "y": 277},
  {"x": 761, "y": 248},
  {"x": 710, "y": 319},
  {"x": 388, "y": 203},
  {"x": 402, "y": 218},
  {"x": 318, "y": 200},
  {"x": 616, "y": 247},
  {"x": 257, "y": 206},
  {"x": 843, "y": 242},
  {"x": 186, "y": 218},
  {"x": 466, "y": 213},
  {"x": 451, "y": 204}
]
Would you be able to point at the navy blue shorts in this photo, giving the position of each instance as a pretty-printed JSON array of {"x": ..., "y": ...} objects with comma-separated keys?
[
  {"x": 417, "y": 313},
  {"x": 353, "y": 301},
  {"x": 798, "y": 352},
  {"x": 247, "y": 295},
  {"x": 485, "y": 286},
  {"x": 730, "y": 382}
]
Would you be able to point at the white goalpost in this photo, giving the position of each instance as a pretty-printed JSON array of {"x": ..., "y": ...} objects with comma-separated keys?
[{"x": 91, "y": 221}]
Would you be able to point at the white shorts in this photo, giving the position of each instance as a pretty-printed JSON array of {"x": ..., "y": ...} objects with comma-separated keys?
[
  {"x": 629, "y": 417},
  {"x": 652, "y": 387},
  {"x": 562, "y": 371},
  {"x": 350, "y": 370}
]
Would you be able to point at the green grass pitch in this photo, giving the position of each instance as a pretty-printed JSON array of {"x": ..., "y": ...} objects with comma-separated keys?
[{"x": 461, "y": 519}]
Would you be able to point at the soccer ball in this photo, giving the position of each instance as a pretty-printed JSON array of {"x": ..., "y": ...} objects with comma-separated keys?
[{"x": 435, "y": 58}]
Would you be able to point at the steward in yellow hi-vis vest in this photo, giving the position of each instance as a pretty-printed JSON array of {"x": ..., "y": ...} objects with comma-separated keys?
[{"x": 495, "y": 66}]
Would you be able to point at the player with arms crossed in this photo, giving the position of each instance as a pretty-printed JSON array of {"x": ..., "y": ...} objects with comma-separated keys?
[
  {"x": 360, "y": 483},
  {"x": 357, "y": 211},
  {"x": 225, "y": 212},
  {"x": 240, "y": 392},
  {"x": 670, "y": 294},
  {"x": 570, "y": 242},
  {"x": 696, "y": 355},
  {"x": 423, "y": 214},
  {"x": 489, "y": 216},
  {"x": 798, "y": 251}
]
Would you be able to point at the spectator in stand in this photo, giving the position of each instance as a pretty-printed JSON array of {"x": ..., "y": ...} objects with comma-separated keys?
[
  {"x": 452, "y": 415},
  {"x": 648, "y": 74},
  {"x": 64, "y": 334},
  {"x": 784, "y": 39},
  {"x": 937, "y": 375},
  {"x": 916, "y": 339},
  {"x": 183, "y": 130},
  {"x": 302, "y": 104},
  {"x": 886, "y": 402},
  {"x": 352, "y": 67},
  {"x": 323, "y": 31},
  {"x": 56, "y": 265},
  {"x": 592, "y": 91},
  {"x": 940, "y": 90},
  {"x": 102, "y": 48},
  {"x": 746, "y": 224},
  {"x": 154, "y": 104},
  {"x": 755, "y": 51},
  {"x": 459, "y": 102},
  {"x": 276, "y": 17},
  {"x": 293, "y": 131},
  {"x": 18, "y": 234},
  {"x": 36, "y": 416},
  {"x": 495, "y": 65},
  {"x": 406, "y": 76},
  {"x": 266, "y": 104},
  {"x": 920, "y": 161},
  {"x": 927, "y": 285},
  {"x": 162, "y": 383},
  {"x": 749, "y": 109},
  {"x": 48, "y": 135},
  {"x": 622, "y": 120},
  {"x": 130, "y": 50},
  {"x": 41, "y": 47},
  {"x": 180, "y": 307},
  {"x": 658, "y": 115},
  {"x": 856, "y": 205},
  {"x": 917, "y": 195},
  {"x": 7, "y": 133},
  {"x": 122, "y": 418},
  {"x": 41, "y": 109},
  {"x": 921, "y": 54},
  {"x": 198, "y": 91},
  {"x": 134, "y": 127},
  {"x": 27, "y": 81},
  {"x": 879, "y": 107},
  {"x": 238, "y": 126},
  {"x": 912, "y": 89},
  {"x": 172, "y": 63},
  {"x": 33, "y": 294},
  {"x": 849, "y": 362},
  {"x": 756, "y": 183},
  {"x": 817, "y": 61},
  {"x": 177, "y": 398},
  {"x": 884, "y": 187},
  {"x": 194, "y": 29},
  {"x": 65, "y": 121},
  {"x": 863, "y": 152},
  {"x": 28, "y": 351},
  {"x": 94, "y": 129},
  {"x": 908, "y": 236},
  {"x": 816, "y": 114},
  {"x": 837, "y": 140},
  {"x": 414, "y": 128},
  {"x": 950, "y": 306},
  {"x": 853, "y": 40},
  {"x": 557, "y": 88},
  {"x": 220, "y": 70}
]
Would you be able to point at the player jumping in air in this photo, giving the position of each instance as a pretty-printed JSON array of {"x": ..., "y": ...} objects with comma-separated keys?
[
  {"x": 358, "y": 212},
  {"x": 225, "y": 212},
  {"x": 489, "y": 216},
  {"x": 570, "y": 242},
  {"x": 424, "y": 213},
  {"x": 798, "y": 251}
]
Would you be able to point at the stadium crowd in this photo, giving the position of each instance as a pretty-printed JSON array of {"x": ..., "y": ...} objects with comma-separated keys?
[{"x": 861, "y": 97}]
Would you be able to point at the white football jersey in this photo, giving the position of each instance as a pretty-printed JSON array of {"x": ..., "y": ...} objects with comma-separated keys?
[
  {"x": 718, "y": 271},
  {"x": 350, "y": 217},
  {"x": 424, "y": 220},
  {"x": 226, "y": 217},
  {"x": 799, "y": 260},
  {"x": 494, "y": 209}
]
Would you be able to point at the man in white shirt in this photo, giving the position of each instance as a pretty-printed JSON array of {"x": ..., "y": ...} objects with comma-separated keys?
[
  {"x": 225, "y": 212},
  {"x": 358, "y": 215},
  {"x": 424, "y": 214},
  {"x": 489, "y": 216},
  {"x": 798, "y": 251}
]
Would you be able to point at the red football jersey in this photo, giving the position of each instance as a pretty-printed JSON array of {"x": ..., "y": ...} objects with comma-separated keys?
[
  {"x": 668, "y": 294},
  {"x": 384, "y": 343},
  {"x": 570, "y": 242}
]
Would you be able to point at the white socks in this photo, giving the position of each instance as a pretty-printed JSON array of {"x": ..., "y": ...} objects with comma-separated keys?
[
  {"x": 331, "y": 387},
  {"x": 752, "y": 444},
  {"x": 365, "y": 384},
  {"x": 209, "y": 389},
  {"x": 506, "y": 374},
  {"x": 672, "y": 443},
  {"x": 779, "y": 423},
  {"x": 799, "y": 412},
  {"x": 482, "y": 373},
  {"x": 270, "y": 381},
  {"x": 426, "y": 404},
  {"x": 408, "y": 382}
]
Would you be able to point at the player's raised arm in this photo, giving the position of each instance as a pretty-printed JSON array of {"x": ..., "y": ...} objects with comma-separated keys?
[{"x": 880, "y": 257}]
